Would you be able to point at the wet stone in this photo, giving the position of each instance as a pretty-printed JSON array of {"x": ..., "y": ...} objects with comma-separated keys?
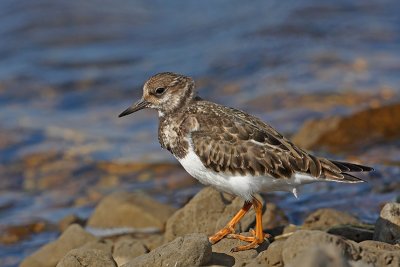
[
  {"x": 50, "y": 254},
  {"x": 65, "y": 222},
  {"x": 387, "y": 227},
  {"x": 354, "y": 233},
  {"x": 190, "y": 250},
  {"x": 127, "y": 248},
  {"x": 323, "y": 219},
  {"x": 86, "y": 257},
  {"x": 361, "y": 129},
  {"x": 16, "y": 233}
]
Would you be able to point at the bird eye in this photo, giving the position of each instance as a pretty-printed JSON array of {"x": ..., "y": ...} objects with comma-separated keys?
[{"x": 160, "y": 91}]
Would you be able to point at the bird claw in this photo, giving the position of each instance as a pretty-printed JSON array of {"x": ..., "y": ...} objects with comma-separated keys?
[{"x": 253, "y": 240}]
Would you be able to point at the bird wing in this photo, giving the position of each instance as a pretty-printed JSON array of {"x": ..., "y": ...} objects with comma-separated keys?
[{"x": 232, "y": 141}]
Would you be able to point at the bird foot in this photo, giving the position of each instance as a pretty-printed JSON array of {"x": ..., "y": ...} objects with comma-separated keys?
[{"x": 253, "y": 240}]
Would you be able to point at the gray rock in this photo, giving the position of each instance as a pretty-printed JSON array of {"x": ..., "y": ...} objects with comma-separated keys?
[
  {"x": 323, "y": 219},
  {"x": 50, "y": 254},
  {"x": 127, "y": 248},
  {"x": 104, "y": 245},
  {"x": 387, "y": 227},
  {"x": 356, "y": 254},
  {"x": 320, "y": 256},
  {"x": 65, "y": 222},
  {"x": 377, "y": 254},
  {"x": 135, "y": 210},
  {"x": 355, "y": 233},
  {"x": 222, "y": 254},
  {"x": 86, "y": 257},
  {"x": 190, "y": 250},
  {"x": 272, "y": 257},
  {"x": 207, "y": 212},
  {"x": 297, "y": 243},
  {"x": 153, "y": 241},
  {"x": 379, "y": 245}
]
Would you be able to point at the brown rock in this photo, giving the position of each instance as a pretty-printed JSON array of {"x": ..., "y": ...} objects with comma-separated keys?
[
  {"x": 376, "y": 254},
  {"x": 323, "y": 219},
  {"x": 207, "y": 212},
  {"x": 190, "y": 250},
  {"x": 222, "y": 255},
  {"x": 50, "y": 254},
  {"x": 301, "y": 240},
  {"x": 387, "y": 227},
  {"x": 16, "y": 233},
  {"x": 297, "y": 244},
  {"x": 272, "y": 257},
  {"x": 320, "y": 256},
  {"x": 127, "y": 248},
  {"x": 104, "y": 245},
  {"x": 86, "y": 257},
  {"x": 153, "y": 241},
  {"x": 290, "y": 229},
  {"x": 338, "y": 134},
  {"x": 135, "y": 210},
  {"x": 379, "y": 245},
  {"x": 65, "y": 222}
]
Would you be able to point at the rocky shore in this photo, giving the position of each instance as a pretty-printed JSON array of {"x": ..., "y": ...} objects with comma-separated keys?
[{"x": 132, "y": 229}]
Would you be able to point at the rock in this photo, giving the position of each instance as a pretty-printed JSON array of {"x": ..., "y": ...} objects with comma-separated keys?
[
  {"x": 301, "y": 240},
  {"x": 274, "y": 217},
  {"x": 290, "y": 228},
  {"x": 135, "y": 210},
  {"x": 49, "y": 255},
  {"x": 297, "y": 244},
  {"x": 379, "y": 245},
  {"x": 320, "y": 256},
  {"x": 387, "y": 227},
  {"x": 190, "y": 250},
  {"x": 104, "y": 245},
  {"x": 270, "y": 257},
  {"x": 207, "y": 212},
  {"x": 354, "y": 233},
  {"x": 86, "y": 257},
  {"x": 338, "y": 134},
  {"x": 377, "y": 254},
  {"x": 16, "y": 233},
  {"x": 127, "y": 248},
  {"x": 65, "y": 222},
  {"x": 323, "y": 219},
  {"x": 153, "y": 241}
]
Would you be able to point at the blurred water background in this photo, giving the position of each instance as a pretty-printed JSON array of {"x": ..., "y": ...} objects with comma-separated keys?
[{"x": 68, "y": 68}]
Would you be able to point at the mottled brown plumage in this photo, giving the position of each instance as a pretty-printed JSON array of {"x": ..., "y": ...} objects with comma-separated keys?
[{"x": 232, "y": 141}]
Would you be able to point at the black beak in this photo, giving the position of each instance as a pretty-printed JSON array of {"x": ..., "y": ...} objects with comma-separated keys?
[{"x": 141, "y": 104}]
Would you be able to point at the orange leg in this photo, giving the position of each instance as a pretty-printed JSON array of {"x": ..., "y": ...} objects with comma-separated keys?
[
  {"x": 257, "y": 236},
  {"x": 230, "y": 227}
]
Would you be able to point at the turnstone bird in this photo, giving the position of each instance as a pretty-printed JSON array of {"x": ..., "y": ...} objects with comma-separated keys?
[{"x": 231, "y": 150}]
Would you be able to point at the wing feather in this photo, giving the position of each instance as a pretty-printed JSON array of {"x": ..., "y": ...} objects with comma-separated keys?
[{"x": 230, "y": 140}]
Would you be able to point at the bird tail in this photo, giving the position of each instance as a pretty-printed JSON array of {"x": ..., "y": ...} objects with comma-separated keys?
[{"x": 340, "y": 171}]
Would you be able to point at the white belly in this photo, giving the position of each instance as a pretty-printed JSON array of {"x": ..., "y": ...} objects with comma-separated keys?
[{"x": 243, "y": 186}]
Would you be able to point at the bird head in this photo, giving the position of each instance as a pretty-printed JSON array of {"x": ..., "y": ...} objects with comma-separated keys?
[{"x": 165, "y": 92}]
